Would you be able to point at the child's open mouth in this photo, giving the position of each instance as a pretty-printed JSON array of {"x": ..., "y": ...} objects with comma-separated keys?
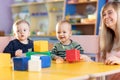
[
  {"x": 62, "y": 37},
  {"x": 22, "y": 35}
]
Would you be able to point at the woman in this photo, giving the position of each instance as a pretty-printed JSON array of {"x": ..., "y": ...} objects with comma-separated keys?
[{"x": 110, "y": 35}]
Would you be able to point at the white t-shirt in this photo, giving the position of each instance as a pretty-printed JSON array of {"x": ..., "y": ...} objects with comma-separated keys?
[{"x": 113, "y": 53}]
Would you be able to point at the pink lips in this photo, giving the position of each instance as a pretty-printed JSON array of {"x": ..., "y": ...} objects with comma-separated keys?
[
  {"x": 22, "y": 35},
  {"x": 62, "y": 37}
]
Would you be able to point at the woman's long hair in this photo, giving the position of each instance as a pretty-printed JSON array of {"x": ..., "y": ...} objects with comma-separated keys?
[{"x": 107, "y": 35}]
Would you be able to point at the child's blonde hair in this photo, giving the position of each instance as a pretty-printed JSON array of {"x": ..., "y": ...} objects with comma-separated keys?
[
  {"x": 19, "y": 22},
  {"x": 63, "y": 21}
]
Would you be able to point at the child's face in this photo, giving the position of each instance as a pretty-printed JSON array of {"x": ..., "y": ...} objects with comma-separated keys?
[
  {"x": 22, "y": 31},
  {"x": 110, "y": 17},
  {"x": 63, "y": 33}
]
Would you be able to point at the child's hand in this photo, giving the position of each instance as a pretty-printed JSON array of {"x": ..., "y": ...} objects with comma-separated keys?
[
  {"x": 85, "y": 58},
  {"x": 59, "y": 59},
  {"x": 18, "y": 53}
]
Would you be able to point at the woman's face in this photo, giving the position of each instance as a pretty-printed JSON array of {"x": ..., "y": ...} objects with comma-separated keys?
[{"x": 110, "y": 17}]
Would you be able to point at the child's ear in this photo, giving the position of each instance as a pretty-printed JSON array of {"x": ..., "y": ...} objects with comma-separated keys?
[
  {"x": 71, "y": 33},
  {"x": 14, "y": 34},
  {"x": 29, "y": 33}
]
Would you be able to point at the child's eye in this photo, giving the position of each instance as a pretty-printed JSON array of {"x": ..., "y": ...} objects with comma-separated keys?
[
  {"x": 18, "y": 31},
  {"x": 24, "y": 30},
  {"x": 64, "y": 32}
]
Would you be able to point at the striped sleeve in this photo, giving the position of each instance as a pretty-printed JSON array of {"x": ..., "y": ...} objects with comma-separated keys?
[
  {"x": 53, "y": 52},
  {"x": 78, "y": 47}
]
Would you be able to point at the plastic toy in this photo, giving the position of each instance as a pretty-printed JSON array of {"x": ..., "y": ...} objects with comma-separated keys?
[
  {"x": 20, "y": 63},
  {"x": 72, "y": 55}
]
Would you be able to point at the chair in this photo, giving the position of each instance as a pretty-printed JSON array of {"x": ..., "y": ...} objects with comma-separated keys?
[
  {"x": 4, "y": 41},
  {"x": 2, "y": 33},
  {"x": 90, "y": 44},
  {"x": 50, "y": 46}
]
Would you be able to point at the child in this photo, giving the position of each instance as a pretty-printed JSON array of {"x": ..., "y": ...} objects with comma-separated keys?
[
  {"x": 63, "y": 33},
  {"x": 21, "y": 43}
]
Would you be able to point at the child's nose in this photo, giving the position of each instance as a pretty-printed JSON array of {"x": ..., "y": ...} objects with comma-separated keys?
[
  {"x": 61, "y": 33},
  {"x": 22, "y": 31}
]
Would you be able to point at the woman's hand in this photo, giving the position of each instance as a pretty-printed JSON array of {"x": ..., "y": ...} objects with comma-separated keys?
[{"x": 112, "y": 60}]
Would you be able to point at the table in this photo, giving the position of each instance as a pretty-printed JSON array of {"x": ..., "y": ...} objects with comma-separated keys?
[
  {"x": 64, "y": 71},
  {"x": 92, "y": 69}
]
